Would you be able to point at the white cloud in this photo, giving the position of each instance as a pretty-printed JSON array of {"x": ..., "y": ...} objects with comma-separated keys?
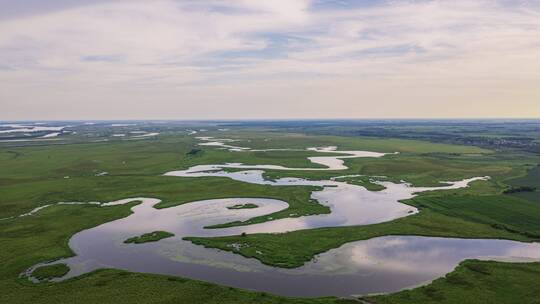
[{"x": 186, "y": 57}]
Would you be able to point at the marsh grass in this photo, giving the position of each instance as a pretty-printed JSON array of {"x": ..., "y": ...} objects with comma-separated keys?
[
  {"x": 243, "y": 206},
  {"x": 149, "y": 237},
  {"x": 48, "y": 272}
]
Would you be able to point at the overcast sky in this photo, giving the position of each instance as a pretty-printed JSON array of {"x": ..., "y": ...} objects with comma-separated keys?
[{"x": 82, "y": 59}]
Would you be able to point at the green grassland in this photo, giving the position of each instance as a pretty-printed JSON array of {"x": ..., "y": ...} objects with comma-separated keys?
[
  {"x": 260, "y": 139},
  {"x": 32, "y": 176},
  {"x": 475, "y": 282},
  {"x": 428, "y": 169},
  {"x": 531, "y": 178},
  {"x": 35, "y": 176},
  {"x": 499, "y": 211},
  {"x": 153, "y": 236}
]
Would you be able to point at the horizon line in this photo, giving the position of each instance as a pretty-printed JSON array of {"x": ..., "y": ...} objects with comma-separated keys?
[{"x": 270, "y": 119}]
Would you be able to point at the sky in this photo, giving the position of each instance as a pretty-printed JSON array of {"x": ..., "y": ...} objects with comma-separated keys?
[{"x": 282, "y": 59}]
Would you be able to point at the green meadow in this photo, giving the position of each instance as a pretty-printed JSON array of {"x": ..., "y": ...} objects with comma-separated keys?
[{"x": 80, "y": 171}]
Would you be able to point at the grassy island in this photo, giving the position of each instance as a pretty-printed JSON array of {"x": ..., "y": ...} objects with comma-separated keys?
[
  {"x": 45, "y": 273},
  {"x": 149, "y": 237},
  {"x": 243, "y": 206}
]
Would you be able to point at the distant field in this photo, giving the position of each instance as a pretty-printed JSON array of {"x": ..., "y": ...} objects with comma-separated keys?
[
  {"x": 426, "y": 169},
  {"x": 521, "y": 135},
  {"x": 266, "y": 140}
]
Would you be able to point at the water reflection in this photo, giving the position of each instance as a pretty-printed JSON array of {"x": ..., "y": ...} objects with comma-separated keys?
[{"x": 383, "y": 264}]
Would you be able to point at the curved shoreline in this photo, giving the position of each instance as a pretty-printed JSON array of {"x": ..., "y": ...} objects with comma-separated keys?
[{"x": 350, "y": 205}]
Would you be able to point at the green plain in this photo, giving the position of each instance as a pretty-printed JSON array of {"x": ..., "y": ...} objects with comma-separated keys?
[{"x": 37, "y": 175}]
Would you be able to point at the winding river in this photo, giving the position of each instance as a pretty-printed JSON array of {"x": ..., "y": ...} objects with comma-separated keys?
[{"x": 383, "y": 264}]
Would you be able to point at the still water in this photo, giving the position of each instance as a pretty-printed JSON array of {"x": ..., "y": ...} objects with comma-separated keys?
[{"x": 383, "y": 264}]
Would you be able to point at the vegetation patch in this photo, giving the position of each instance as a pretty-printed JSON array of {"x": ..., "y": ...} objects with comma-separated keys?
[
  {"x": 526, "y": 187},
  {"x": 367, "y": 182},
  {"x": 194, "y": 152},
  {"x": 474, "y": 281},
  {"x": 519, "y": 189},
  {"x": 149, "y": 237},
  {"x": 243, "y": 206},
  {"x": 499, "y": 211},
  {"x": 530, "y": 179},
  {"x": 45, "y": 273},
  {"x": 299, "y": 208}
]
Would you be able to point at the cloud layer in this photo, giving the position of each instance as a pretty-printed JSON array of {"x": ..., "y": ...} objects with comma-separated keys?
[{"x": 270, "y": 59}]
